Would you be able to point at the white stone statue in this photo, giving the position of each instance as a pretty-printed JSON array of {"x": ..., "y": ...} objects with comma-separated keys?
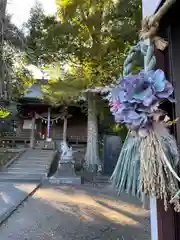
[{"x": 66, "y": 152}]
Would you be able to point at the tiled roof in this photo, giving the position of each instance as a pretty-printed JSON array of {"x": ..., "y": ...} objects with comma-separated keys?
[{"x": 34, "y": 92}]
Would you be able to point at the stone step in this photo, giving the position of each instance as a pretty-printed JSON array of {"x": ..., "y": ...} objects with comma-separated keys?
[
  {"x": 34, "y": 155},
  {"x": 39, "y": 150},
  {"x": 37, "y": 157},
  {"x": 30, "y": 163},
  {"x": 18, "y": 166},
  {"x": 25, "y": 173},
  {"x": 25, "y": 168},
  {"x": 19, "y": 174},
  {"x": 28, "y": 177},
  {"x": 28, "y": 170},
  {"x": 39, "y": 153},
  {"x": 36, "y": 170},
  {"x": 32, "y": 166}
]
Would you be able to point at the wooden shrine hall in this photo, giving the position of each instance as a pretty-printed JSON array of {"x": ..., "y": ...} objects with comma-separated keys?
[{"x": 37, "y": 120}]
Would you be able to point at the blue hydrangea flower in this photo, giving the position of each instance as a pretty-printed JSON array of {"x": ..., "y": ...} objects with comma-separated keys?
[
  {"x": 162, "y": 89},
  {"x": 137, "y": 97}
]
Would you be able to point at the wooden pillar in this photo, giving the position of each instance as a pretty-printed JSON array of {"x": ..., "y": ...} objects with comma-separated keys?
[
  {"x": 32, "y": 140},
  {"x": 174, "y": 74},
  {"x": 164, "y": 220},
  {"x": 163, "y": 223},
  {"x": 48, "y": 122},
  {"x": 166, "y": 223}
]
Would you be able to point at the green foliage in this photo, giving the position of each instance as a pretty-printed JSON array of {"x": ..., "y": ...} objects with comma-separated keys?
[
  {"x": 120, "y": 130},
  {"x": 16, "y": 77},
  {"x": 90, "y": 35},
  {"x": 36, "y": 33},
  {"x": 13, "y": 79},
  {"x": 106, "y": 121},
  {"x": 12, "y": 34},
  {"x": 11, "y": 49},
  {"x": 3, "y": 112}
]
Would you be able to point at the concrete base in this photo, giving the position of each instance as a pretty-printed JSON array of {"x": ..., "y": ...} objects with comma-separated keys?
[
  {"x": 65, "y": 175},
  {"x": 65, "y": 180}
]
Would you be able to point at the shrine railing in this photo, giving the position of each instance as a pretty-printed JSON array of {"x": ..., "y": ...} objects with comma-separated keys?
[
  {"x": 78, "y": 138},
  {"x": 26, "y": 136},
  {"x": 71, "y": 138},
  {"x": 12, "y": 135}
]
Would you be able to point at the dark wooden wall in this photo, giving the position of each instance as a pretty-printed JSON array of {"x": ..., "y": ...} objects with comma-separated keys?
[
  {"x": 174, "y": 69},
  {"x": 77, "y": 127},
  {"x": 169, "y": 61}
]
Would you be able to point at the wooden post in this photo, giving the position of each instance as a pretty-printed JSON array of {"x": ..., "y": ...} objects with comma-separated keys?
[
  {"x": 48, "y": 122},
  {"x": 164, "y": 225},
  {"x": 163, "y": 222},
  {"x": 153, "y": 201},
  {"x": 32, "y": 140}
]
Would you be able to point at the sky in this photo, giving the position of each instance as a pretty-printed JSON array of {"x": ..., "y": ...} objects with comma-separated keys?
[
  {"x": 149, "y": 7},
  {"x": 20, "y": 9}
]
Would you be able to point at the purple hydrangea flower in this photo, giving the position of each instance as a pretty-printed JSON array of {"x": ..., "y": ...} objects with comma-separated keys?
[
  {"x": 137, "y": 97},
  {"x": 162, "y": 89}
]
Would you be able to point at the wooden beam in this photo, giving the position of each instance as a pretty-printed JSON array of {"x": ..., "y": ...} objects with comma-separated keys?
[
  {"x": 174, "y": 74},
  {"x": 166, "y": 221},
  {"x": 32, "y": 140}
]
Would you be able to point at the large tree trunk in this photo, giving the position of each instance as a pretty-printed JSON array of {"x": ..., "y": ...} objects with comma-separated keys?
[
  {"x": 3, "y": 4},
  {"x": 66, "y": 151},
  {"x": 92, "y": 161},
  {"x": 65, "y": 129}
]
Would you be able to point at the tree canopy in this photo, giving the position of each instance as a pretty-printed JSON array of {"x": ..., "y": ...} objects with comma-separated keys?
[
  {"x": 86, "y": 42},
  {"x": 13, "y": 79},
  {"x": 90, "y": 36}
]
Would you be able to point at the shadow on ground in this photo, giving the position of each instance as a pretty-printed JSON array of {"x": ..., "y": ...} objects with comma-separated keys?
[{"x": 78, "y": 213}]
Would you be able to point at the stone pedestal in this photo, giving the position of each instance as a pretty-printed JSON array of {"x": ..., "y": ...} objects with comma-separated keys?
[{"x": 65, "y": 173}]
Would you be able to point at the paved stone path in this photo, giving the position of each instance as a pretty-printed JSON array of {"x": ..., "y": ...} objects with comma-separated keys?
[
  {"x": 77, "y": 213},
  {"x": 11, "y": 195}
]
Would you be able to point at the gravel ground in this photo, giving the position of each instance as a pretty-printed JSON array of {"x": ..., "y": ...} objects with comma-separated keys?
[{"x": 77, "y": 213}]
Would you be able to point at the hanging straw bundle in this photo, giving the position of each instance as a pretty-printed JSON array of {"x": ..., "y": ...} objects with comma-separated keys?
[
  {"x": 157, "y": 166},
  {"x": 147, "y": 165},
  {"x": 149, "y": 157}
]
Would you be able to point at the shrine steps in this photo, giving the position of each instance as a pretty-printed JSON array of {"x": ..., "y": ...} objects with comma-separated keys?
[{"x": 32, "y": 166}]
